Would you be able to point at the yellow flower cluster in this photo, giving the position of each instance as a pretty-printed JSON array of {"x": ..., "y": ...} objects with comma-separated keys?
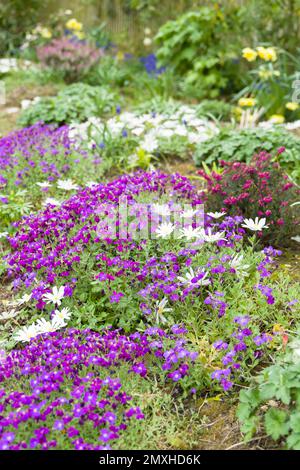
[
  {"x": 292, "y": 106},
  {"x": 74, "y": 25},
  {"x": 267, "y": 54},
  {"x": 265, "y": 74},
  {"x": 246, "y": 102},
  {"x": 277, "y": 119},
  {"x": 46, "y": 33},
  {"x": 42, "y": 31}
]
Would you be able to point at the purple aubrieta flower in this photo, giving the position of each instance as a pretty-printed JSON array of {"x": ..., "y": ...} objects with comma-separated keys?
[
  {"x": 242, "y": 320},
  {"x": 220, "y": 344}
]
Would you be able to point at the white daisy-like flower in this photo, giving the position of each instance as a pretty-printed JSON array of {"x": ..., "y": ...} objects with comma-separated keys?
[
  {"x": 255, "y": 225},
  {"x": 8, "y": 315},
  {"x": 165, "y": 230},
  {"x": 237, "y": 264},
  {"x": 210, "y": 237},
  {"x": 160, "y": 309},
  {"x": 67, "y": 185},
  {"x": 50, "y": 201},
  {"x": 63, "y": 314},
  {"x": 161, "y": 209},
  {"x": 44, "y": 185},
  {"x": 3, "y": 234},
  {"x": 189, "y": 232},
  {"x": 189, "y": 213},
  {"x": 296, "y": 238},
  {"x": 24, "y": 299},
  {"x": 26, "y": 333},
  {"x": 46, "y": 326},
  {"x": 216, "y": 215},
  {"x": 149, "y": 144},
  {"x": 90, "y": 184},
  {"x": 56, "y": 296},
  {"x": 188, "y": 279}
]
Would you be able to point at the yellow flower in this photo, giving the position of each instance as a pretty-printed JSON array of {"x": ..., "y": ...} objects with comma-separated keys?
[
  {"x": 46, "y": 33},
  {"x": 277, "y": 119},
  {"x": 246, "y": 102},
  {"x": 265, "y": 73},
  {"x": 267, "y": 53},
  {"x": 237, "y": 110},
  {"x": 249, "y": 54},
  {"x": 292, "y": 106},
  {"x": 74, "y": 25},
  {"x": 277, "y": 328},
  {"x": 79, "y": 34}
]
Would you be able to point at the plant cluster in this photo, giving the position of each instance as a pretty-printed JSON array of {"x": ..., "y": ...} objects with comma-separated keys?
[
  {"x": 258, "y": 189},
  {"x": 64, "y": 390},
  {"x": 71, "y": 58},
  {"x": 74, "y": 103},
  {"x": 272, "y": 403}
]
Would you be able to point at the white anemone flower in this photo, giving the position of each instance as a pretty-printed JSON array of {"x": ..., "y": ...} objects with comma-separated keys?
[
  {"x": 237, "y": 264},
  {"x": 255, "y": 225},
  {"x": 63, "y": 314},
  {"x": 190, "y": 275},
  {"x": 212, "y": 237},
  {"x": 216, "y": 215},
  {"x": 3, "y": 234},
  {"x": 165, "y": 230},
  {"x": 189, "y": 232},
  {"x": 160, "y": 309},
  {"x": 161, "y": 209},
  {"x": 24, "y": 299},
  {"x": 296, "y": 239},
  {"x": 46, "y": 326},
  {"x": 26, "y": 333},
  {"x": 8, "y": 315},
  {"x": 56, "y": 296},
  {"x": 50, "y": 201},
  {"x": 44, "y": 184},
  {"x": 67, "y": 185},
  {"x": 189, "y": 213}
]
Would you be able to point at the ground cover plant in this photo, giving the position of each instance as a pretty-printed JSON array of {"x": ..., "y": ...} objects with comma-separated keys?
[{"x": 149, "y": 226}]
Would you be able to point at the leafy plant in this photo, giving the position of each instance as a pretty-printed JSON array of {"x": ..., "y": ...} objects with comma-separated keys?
[
  {"x": 258, "y": 189},
  {"x": 274, "y": 402},
  {"x": 73, "y": 58},
  {"x": 75, "y": 103},
  {"x": 194, "y": 46},
  {"x": 241, "y": 145}
]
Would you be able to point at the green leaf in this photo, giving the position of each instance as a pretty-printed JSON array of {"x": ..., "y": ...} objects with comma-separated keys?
[{"x": 276, "y": 423}]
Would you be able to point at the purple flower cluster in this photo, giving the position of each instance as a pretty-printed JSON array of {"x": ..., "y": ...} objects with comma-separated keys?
[
  {"x": 41, "y": 150},
  {"x": 242, "y": 344},
  {"x": 70, "y": 56},
  {"x": 51, "y": 243},
  {"x": 63, "y": 388}
]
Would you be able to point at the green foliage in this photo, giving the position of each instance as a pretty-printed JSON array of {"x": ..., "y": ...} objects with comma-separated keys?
[
  {"x": 16, "y": 19},
  {"x": 16, "y": 207},
  {"x": 241, "y": 145},
  {"x": 194, "y": 45},
  {"x": 75, "y": 103},
  {"x": 274, "y": 402}
]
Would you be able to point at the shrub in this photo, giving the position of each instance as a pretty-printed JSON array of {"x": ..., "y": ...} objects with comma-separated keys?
[
  {"x": 71, "y": 57},
  {"x": 241, "y": 145},
  {"x": 258, "y": 189},
  {"x": 194, "y": 46},
  {"x": 75, "y": 103}
]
